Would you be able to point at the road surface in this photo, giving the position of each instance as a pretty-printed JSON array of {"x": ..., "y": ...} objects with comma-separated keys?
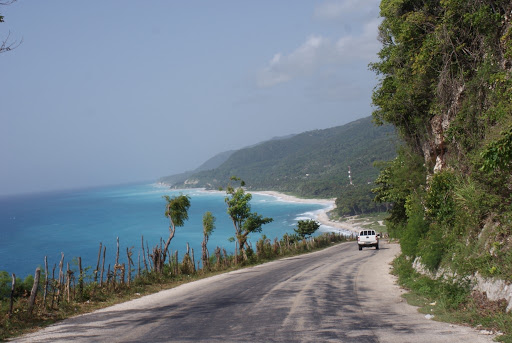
[{"x": 339, "y": 294}]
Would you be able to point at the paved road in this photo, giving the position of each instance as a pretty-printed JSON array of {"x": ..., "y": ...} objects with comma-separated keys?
[{"x": 336, "y": 295}]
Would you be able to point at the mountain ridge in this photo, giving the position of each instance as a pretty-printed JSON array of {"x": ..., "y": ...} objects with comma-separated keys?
[{"x": 310, "y": 164}]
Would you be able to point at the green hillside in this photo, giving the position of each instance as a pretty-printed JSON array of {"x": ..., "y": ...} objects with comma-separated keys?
[
  {"x": 311, "y": 164},
  {"x": 212, "y": 163},
  {"x": 449, "y": 96},
  {"x": 446, "y": 83}
]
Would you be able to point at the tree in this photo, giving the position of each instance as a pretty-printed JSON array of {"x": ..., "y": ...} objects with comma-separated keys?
[
  {"x": 176, "y": 210},
  {"x": 208, "y": 227},
  {"x": 306, "y": 228},
  {"x": 7, "y": 45},
  {"x": 398, "y": 179},
  {"x": 244, "y": 221}
]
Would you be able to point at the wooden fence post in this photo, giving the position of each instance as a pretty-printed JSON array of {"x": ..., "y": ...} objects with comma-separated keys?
[
  {"x": 60, "y": 288},
  {"x": 177, "y": 263},
  {"x": 123, "y": 269},
  {"x": 138, "y": 268},
  {"x": 130, "y": 263},
  {"x": 97, "y": 265},
  {"x": 103, "y": 266},
  {"x": 54, "y": 285},
  {"x": 149, "y": 257},
  {"x": 226, "y": 262},
  {"x": 80, "y": 277},
  {"x": 61, "y": 266},
  {"x": 117, "y": 255},
  {"x": 144, "y": 254},
  {"x": 193, "y": 261},
  {"x": 68, "y": 283},
  {"x": 109, "y": 275},
  {"x": 33, "y": 293},
  {"x": 13, "y": 286},
  {"x": 45, "y": 280},
  {"x": 217, "y": 256}
]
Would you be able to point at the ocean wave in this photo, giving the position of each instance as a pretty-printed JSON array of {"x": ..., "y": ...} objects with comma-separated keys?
[{"x": 309, "y": 215}]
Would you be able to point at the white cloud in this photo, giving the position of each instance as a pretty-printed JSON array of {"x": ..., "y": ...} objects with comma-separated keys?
[
  {"x": 318, "y": 52},
  {"x": 364, "y": 46},
  {"x": 302, "y": 61}
]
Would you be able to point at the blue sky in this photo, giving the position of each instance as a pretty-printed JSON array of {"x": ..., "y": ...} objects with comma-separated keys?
[{"x": 108, "y": 92}]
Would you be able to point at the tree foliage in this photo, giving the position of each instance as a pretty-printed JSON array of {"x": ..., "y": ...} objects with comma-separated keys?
[
  {"x": 208, "y": 224},
  {"x": 208, "y": 228},
  {"x": 176, "y": 209},
  {"x": 358, "y": 199},
  {"x": 244, "y": 220},
  {"x": 306, "y": 228},
  {"x": 399, "y": 179},
  {"x": 445, "y": 71},
  {"x": 434, "y": 55}
]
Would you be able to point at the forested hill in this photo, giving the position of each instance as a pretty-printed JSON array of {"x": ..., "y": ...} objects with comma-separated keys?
[
  {"x": 312, "y": 164},
  {"x": 211, "y": 163}
]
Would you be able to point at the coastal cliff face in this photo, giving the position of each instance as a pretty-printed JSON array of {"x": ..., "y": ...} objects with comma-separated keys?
[
  {"x": 446, "y": 84},
  {"x": 445, "y": 75}
]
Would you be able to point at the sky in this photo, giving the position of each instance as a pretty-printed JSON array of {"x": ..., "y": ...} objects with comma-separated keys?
[{"x": 110, "y": 92}]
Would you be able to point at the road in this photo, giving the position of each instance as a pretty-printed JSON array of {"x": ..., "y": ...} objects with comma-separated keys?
[{"x": 339, "y": 294}]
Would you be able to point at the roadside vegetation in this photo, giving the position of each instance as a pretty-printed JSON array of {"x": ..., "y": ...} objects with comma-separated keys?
[
  {"x": 453, "y": 301},
  {"x": 445, "y": 83},
  {"x": 35, "y": 302},
  {"x": 95, "y": 296}
]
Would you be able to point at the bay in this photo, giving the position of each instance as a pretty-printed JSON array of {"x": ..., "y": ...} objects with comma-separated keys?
[{"x": 75, "y": 222}]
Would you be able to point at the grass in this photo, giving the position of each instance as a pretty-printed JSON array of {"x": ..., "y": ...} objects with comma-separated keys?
[{"x": 453, "y": 302}]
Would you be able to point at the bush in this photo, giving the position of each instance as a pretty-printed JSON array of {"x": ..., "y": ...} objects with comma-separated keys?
[
  {"x": 416, "y": 226},
  {"x": 306, "y": 228},
  {"x": 449, "y": 293},
  {"x": 439, "y": 199}
]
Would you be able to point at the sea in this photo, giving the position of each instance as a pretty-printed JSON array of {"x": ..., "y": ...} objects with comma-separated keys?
[{"x": 74, "y": 223}]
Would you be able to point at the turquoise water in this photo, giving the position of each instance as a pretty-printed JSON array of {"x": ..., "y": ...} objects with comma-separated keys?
[{"x": 75, "y": 222}]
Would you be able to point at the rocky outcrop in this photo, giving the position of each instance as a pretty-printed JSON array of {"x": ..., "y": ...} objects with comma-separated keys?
[{"x": 493, "y": 288}]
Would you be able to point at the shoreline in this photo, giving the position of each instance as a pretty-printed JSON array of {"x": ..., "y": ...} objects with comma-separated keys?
[{"x": 321, "y": 216}]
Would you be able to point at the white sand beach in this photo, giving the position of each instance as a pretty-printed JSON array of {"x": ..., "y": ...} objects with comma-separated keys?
[{"x": 322, "y": 216}]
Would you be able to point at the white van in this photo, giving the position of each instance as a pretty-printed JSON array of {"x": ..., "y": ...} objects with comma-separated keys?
[{"x": 368, "y": 238}]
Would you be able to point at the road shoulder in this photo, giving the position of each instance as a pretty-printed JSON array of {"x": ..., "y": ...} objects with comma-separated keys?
[{"x": 381, "y": 299}]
